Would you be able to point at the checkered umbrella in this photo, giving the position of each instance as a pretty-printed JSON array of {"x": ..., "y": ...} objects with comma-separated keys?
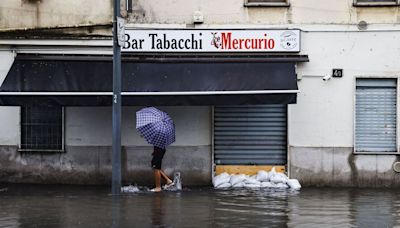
[{"x": 155, "y": 126}]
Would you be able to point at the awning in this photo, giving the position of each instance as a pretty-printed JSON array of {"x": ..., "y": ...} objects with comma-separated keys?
[{"x": 77, "y": 80}]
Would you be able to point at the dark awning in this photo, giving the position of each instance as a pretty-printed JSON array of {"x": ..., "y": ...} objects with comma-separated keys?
[{"x": 88, "y": 81}]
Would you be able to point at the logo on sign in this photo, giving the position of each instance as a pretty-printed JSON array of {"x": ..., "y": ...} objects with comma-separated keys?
[
  {"x": 216, "y": 40},
  {"x": 289, "y": 40}
]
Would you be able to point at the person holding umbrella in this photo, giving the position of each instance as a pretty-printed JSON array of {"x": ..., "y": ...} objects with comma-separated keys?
[{"x": 158, "y": 129}]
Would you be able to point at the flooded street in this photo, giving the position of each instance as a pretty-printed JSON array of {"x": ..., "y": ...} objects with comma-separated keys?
[{"x": 82, "y": 206}]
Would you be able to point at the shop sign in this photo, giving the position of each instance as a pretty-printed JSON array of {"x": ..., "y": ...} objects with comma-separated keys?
[{"x": 145, "y": 40}]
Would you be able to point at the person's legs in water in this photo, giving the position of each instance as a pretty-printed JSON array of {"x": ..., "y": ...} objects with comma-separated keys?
[
  {"x": 166, "y": 178},
  {"x": 158, "y": 155},
  {"x": 157, "y": 179},
  {"x": 158, "y": 174}
]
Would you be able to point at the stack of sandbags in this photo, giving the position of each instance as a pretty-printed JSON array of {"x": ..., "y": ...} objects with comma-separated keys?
[
  {"x": 222, "y": 181},
  {"x": 263, "y": 179}
]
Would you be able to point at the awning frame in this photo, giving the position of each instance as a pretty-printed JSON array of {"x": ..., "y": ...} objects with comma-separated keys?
[{"x": 175, "y": 57}]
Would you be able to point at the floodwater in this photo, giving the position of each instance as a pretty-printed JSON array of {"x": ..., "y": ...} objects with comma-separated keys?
[{"x": 83, "y": 206}]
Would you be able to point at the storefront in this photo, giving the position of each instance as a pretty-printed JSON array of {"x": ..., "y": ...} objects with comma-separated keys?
[{"x": 247, "y": 76}]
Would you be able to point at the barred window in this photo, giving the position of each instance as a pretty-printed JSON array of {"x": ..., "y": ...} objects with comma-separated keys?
[
  {"x": 266, "y": 3},
  {"x": 42, "y": 128},
  {"x": 376, "y": 2}
]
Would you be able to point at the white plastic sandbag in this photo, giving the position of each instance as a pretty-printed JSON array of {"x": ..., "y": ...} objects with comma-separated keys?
[
  {"x": 267, "y": 185},
  {"x": 238, "y": 185},
  {"x": 281, "y": 185},
  {"x": 221, "y": 179},
  {"x": 222, "y": 175},
  {"x": 272, "y": 172},
  {"x": 251, "y": 181},
  {"x": 237, "y": 178},
  {"x": 224, "y": 185},
  {"x": 294, "y": 184},
  {"x": 276, "y": 178},
  {"x": 262, "y": 176},
  {"x": 252, "y": 185}
]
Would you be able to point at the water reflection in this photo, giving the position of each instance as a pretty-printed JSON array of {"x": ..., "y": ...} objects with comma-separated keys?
[
  {"x": 374, "y": 209},
  {"x": 248, "y": 208},
  {"x": 74, "y": 206},
  {"x": 157, "y": 211},
  {"x": 344, "y": 208},
  {"x": 116, "y": 207},
  {"x": 319, "y": 208}
]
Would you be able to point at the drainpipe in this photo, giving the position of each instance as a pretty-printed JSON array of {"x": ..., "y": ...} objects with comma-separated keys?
[{"x": 116, "y": 107}]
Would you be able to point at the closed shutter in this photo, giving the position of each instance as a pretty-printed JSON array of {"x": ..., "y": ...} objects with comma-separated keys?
[
  {"x": 376, "y": 115},
  {"x": 250, "y": 135}
]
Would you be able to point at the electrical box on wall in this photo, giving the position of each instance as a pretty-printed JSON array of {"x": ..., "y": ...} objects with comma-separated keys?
[{"x": 198, "y": 17}]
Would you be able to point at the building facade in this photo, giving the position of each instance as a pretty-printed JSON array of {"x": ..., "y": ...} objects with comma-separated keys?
[{"x": 340, "y": 131}]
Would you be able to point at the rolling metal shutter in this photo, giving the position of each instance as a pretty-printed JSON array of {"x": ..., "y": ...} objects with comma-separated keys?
[
  {"x": 250, "y": 135},
  {"x": 376, "y": 115}
]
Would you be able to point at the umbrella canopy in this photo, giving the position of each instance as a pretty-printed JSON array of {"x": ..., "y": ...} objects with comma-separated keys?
[{"x": 155, "y": 126}]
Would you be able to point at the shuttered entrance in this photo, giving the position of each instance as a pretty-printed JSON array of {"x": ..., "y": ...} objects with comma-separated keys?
[
  {"x": 250, "y": 135},
  {"x": 376, "y": 115}
]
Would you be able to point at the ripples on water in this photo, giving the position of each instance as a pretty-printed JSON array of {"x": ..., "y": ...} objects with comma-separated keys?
[{"x": 77, "y": 206}]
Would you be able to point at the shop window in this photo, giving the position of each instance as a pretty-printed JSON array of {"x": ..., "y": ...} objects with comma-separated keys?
[
  {"x": 266, "y": 3},
  {"x": 376, "y": 2},
  {"x": 42, "y": 128},
  {"x": 376, "y": 116}
]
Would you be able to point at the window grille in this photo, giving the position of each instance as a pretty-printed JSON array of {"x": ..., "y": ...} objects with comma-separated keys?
[
  {"x": 376, "y": 2},
  {"x": 266, "y": 3},
  {"x": 376, "y": 115},
  {"x": 42, "y": 128}
]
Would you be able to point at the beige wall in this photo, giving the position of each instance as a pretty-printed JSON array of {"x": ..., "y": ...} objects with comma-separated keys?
[
  {"x": 51, "y": 13},
  {"x": 233, "y": 12}
]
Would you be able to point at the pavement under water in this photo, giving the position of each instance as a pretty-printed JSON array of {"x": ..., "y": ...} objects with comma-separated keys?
[{"x": 93, "y": 206}]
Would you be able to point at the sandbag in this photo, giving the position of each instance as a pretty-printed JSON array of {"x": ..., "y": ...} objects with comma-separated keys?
[
  {"x": 238, "y": 185},
  {"x": 224, "y": 185},
  {"x": 267, "y": 185},
  {"x": 262, "y": 176},
  {"x": 223, "y": 175},
  {"x": 294, "y": 184},
  {"x": 252, "y": 181},
  {"x": 252, "y": 185},
  {"x": 281, "y": 185},
  {"x": 221, "y": 179},
  {"x": 237, "y": 178},
  {"x": 271, "y": 173},
  {"x": 278, "y": 178}
]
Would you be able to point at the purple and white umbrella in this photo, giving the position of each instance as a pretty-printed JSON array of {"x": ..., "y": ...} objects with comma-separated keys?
[{"x": 155, "y": 126}]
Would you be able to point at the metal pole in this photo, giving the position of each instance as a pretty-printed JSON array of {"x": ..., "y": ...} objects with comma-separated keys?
[{"x": 116, "y": 107}]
